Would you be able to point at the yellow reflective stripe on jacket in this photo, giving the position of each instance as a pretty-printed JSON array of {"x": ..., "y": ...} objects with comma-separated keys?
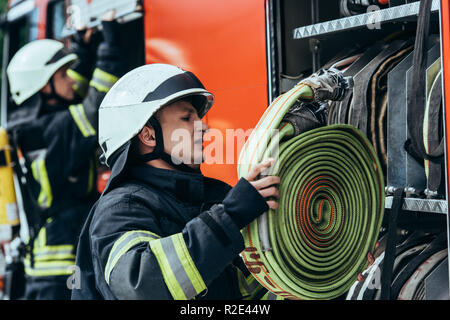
[
  {"x": 179, "y": 271},
  {"x": 123, "y": 244},
  {"x": 81, "y": 83},
  {"x": 49, "y": 260},
  {"x": 54, "y": 252},
  {"x": 79, "y": 116},
  {"x": 48, "y": 268},
  {"x": 40, "y": 174},
  {"x": 41, "y": 238},
  {"x": 103, "y": 81},
  {"x": 247, "y": 285}
]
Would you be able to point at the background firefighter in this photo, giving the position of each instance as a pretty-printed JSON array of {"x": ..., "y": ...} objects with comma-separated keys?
[{"x": 55, "y": 125}]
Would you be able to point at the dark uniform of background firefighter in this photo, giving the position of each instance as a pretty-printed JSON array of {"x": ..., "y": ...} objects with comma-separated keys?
[{"x": 55, "y": 126}]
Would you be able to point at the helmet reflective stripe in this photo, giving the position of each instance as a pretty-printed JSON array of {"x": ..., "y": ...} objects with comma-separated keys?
[
  {"x": 141, "y": 92},
  {"x": 175, "y": 84},
  {"x": 58, "y": 55},
  {"x": 33, "y": 65}
]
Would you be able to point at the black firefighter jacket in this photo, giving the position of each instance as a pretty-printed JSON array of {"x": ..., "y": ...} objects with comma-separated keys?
[
  {"x": 164, "y": 234},
  {"x": 58, "y": 144}
]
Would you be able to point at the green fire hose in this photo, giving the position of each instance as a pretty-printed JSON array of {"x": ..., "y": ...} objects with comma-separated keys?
[{"x": 330, "y": 208}]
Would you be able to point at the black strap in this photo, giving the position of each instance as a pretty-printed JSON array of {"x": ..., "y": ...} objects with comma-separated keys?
[
  {"x": 416, "y": 85},
  {"x": 62, "y": 103},
  {"x": 389, "y": 255},
  {"x": 159, "y": 153},
  {"x": 35, "y": 215},
  {"x": 344, "y": 105},
  {"x": 359, "y": 109}
]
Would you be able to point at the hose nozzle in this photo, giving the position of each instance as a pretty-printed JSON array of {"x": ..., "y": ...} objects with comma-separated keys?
[{"x": 329, "y": 84}]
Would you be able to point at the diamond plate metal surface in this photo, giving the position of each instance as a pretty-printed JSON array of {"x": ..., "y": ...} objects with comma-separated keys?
[
  {"x": 361, "y": 20},
  {"x": 421, "y": 205}
]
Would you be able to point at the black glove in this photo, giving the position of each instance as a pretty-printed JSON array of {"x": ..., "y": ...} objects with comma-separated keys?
[
  {"x": 86, "y": 53},
  {"x": 109, "y": 52},
  {"x": 306, "y": 116}
]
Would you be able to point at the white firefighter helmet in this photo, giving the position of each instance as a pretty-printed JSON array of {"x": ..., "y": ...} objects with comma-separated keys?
[
  {"x": 33, "y": 65},
  {"x": 131, "y": 102}
]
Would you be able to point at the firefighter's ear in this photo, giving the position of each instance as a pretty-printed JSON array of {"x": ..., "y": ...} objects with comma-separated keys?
[{"x": 147, "y": 137}]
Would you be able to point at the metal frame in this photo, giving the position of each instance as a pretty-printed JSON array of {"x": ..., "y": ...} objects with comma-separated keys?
[
  {"x": 92, "y": 11},
  {"x": 361, "y": 21},
  {"x": 444, "y": 20},
  {"x": 421, "y": 205}
]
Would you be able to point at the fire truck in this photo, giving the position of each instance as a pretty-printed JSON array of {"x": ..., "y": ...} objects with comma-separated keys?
[{"x": 247, "y": 53}]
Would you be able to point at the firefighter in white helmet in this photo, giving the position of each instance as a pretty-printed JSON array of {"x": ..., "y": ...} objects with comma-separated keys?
[
  {"x": 57, "y": 93},
  {"x": 162, "y": 230}
]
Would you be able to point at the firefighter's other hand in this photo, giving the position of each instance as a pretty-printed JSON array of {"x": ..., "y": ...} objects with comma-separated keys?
[
  {"x": 265, "y": 184},
  {"x": 139, "y": 7},
  {"x": 109, "y": 16},
  {"x": 83, "y": 36}
]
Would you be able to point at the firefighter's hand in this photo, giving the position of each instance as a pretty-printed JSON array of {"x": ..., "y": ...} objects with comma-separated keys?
[
  {"x": 265, "y": 185},
  {"x": 87, "y": 37},
  {"x": 371, "y": 260},
  {"x": 83, "y": 36},
  {"x": 139, "y": 6},
  {"x": 109, "y": 16}
]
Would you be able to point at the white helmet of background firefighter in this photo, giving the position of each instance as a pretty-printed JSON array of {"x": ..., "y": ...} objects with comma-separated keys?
[
  {"x": 132, "y": 102},
  {"x": 33, "y": 66}
]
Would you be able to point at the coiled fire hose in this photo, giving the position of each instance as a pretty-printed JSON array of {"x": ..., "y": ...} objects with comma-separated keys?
[{"x": 330, "y": 208}]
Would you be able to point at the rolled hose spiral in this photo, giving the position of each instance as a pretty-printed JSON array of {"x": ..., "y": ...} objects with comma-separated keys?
[{"x": 330, "y": 209}]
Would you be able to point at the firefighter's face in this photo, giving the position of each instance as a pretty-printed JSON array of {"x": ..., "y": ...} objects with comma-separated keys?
[
  {"x": 183, "y": 132},
  {"x": 64, "y": 84}
]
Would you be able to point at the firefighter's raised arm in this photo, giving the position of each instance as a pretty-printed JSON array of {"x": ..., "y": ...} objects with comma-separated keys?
[
  {"x": 108, "y": 68},
  {"x": 83, "y": 46}
]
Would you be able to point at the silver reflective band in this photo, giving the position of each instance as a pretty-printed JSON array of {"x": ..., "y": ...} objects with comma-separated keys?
[
  {"x": 123, "y": 244},
  {"x": 79, "y": 116},
  {"x": 177, "y": 268}
]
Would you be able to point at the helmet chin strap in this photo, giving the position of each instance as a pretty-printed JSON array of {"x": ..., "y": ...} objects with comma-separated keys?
[
  {"x": 159, "y": 153},
  {"x": 53, "y": 95}
]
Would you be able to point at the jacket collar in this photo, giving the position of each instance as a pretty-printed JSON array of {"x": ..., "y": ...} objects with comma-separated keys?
[{"x": 187, "y": 187}]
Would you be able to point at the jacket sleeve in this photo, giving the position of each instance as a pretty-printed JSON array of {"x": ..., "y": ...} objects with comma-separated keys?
[
  {"x": 81, "y": 70},
  {"x": 81, "y": 136},
  {"x": 143, "y": 263},
  {"x": 109, "y": 67}
]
